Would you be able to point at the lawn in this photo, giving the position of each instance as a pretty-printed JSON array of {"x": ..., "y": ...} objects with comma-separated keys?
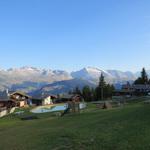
[{"x": 125, "y": 128}]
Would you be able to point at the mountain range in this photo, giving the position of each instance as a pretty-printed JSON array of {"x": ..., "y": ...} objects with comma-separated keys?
[{"x": 30, "y": 79}]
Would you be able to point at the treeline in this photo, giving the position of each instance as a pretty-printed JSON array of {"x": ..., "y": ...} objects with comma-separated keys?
[
  {"x": 101, "y": 92},
  {"x": 143, "y": 79}
]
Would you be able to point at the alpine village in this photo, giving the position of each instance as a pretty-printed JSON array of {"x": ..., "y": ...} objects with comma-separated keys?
[
  {"x": 104, "y": 96},
  {"x": 76, "y": 108}
]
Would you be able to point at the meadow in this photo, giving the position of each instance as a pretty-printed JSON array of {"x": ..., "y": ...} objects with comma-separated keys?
[{"x": 120, "y": 128}]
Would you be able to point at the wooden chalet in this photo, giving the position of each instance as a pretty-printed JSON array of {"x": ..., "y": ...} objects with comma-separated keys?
[
  {"x": 18, "y": 99},
  {"x": 43, "y": 99},
  {"x": 134, "y": 89},
  {"x": 69, "y": 97},
  {"x": 142, "y": 88},
  {"x": 21, "y": 99}
]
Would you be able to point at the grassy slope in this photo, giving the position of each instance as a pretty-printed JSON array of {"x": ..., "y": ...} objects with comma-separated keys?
[{"x": 119, "y": 129}]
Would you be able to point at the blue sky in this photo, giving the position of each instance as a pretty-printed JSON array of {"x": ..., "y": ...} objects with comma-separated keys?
[{"x": 71, "y": 34}]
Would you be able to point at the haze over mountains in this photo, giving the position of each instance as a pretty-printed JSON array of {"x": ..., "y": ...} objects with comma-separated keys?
[{"x": 30, "y": 78}]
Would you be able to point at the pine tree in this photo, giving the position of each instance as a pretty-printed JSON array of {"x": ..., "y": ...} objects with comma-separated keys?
[
  {"x": 86, "y": 93},
  {"x": 102, "y": 85},
  {"x": 77, "y": 91},
  {"x": 144, "y": 76},
  {"x": 98, "y": 93},
  {"x": 103, "y": 90},
  {"x": 93, "y": 94},
  {"x": 108, "y": 90},
  {"x": 143, "y": 79}
]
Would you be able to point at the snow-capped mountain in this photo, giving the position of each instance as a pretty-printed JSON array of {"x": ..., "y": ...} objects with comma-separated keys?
[
  {"x": 122, "y": 76},
  {"x": 112, "y": 76},
  {"x": 19, "y": 76},
  {"x": 91, "y": 73},
  {"x": 31, "y": 78}
]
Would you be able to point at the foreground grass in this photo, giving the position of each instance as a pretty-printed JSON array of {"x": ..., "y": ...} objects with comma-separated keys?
[{"x": 125, "y": 128}]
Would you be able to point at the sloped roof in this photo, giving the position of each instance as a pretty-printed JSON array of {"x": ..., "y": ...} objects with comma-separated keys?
[
  {"x": 19, "y": 92},
  {"x": 42, "y": 96},
  {"x": 68, "y": 96},
  {"x": 141, "y": 86},
  {"x": 4, "y": 96}
]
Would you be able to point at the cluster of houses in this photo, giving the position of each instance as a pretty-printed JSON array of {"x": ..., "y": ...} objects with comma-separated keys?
[
  {"x": 9, "y": 99},
  {"x": 129, "y": 90}
]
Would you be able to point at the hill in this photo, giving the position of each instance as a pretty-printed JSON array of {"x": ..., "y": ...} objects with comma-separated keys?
[
  {"x": 61, "y": 87},
  {"x": 124, "y": 128}
]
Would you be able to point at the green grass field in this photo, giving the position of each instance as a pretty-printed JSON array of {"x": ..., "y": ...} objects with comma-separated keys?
[{"x": 126, "y": 128}]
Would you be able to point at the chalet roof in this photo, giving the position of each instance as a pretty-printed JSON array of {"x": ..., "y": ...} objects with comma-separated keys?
[
  {"x": 20, "y": 93},
  {"x": 124, "y": 91},
  {"x": 5, "y": 96},
  {"x": 141, "y": 86},
  {"x": 42, "y": 96},
  {"x": 68, "y": 96},
  {"x": 136, "y": 87}
]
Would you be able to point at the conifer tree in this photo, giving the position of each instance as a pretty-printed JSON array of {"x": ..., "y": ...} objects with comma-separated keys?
[
  {"x": 102, "y": 86},
  {"x": 77, "y": 91},
  {"x": 86, "y": 93},
  {"x": 143, "y": 79}
]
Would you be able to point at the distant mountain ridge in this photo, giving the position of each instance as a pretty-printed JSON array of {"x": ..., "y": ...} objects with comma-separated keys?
[
  {"x": 61, "y": 87},
  {"x": 111, "y": 76},
  {"x": 19, "y": 76},
  {"x": 30, "y": 78}
]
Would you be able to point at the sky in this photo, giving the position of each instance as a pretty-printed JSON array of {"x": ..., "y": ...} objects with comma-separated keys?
[{"x": 72, "y": 34}]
